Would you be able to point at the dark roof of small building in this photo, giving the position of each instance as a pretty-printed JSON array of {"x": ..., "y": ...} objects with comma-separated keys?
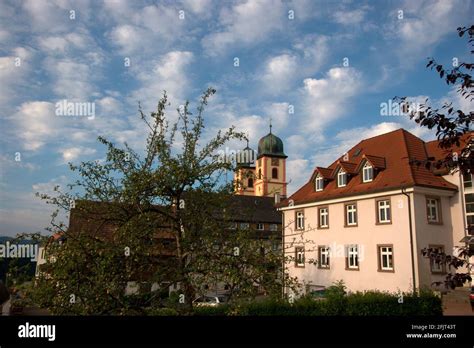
[{"x": 254, "y": 209}]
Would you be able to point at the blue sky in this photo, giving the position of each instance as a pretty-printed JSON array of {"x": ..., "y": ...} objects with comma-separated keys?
[{"x": 290, "y": 53}]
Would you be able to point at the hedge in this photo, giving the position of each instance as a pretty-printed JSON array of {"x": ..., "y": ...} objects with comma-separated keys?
[{"x": 354, "y": 304}]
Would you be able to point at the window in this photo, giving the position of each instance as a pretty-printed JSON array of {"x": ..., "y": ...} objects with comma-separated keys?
[
  {"x": 351, "y": 214},
  {"x": 250, "y": 183},
  {"x": 469, "y": 199},
  {"x": 385, "y": 258},
  {"x": 260, "y": 174},
  {"x": 367, "y": 173},
  {"x": 436, "y": 263},
  {"x": 323, "y": 217},
  {"x": 299, "y": 257},
  {"x": 323, "y": 252},
  {"x": 383, "y": 212},
  {"x": 352, "y": 257},
  {"x": 319, "y": 183},
  {"x": 274, "y": 173},
  {"x": 275, "y": 162},
  {"x": 467, "y": 180},
  {"x": 433, "y": 210},
  {"x": 299, "y": 220},
  {"x": 233, "y": 226},
  {"x": 273, "y": 227},
  {"x": 341, "y": 178},
  {"x": 260, "y": 226},
  {"x": 244, "y": 226}
]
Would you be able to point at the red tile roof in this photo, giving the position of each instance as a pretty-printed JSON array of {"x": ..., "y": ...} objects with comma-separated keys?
[
  {"x": 438, "y": 153},
  {"x": 390, "y": 154},
  {"x": 375, "y": 161},
  {"x": 326, "y": 173}
]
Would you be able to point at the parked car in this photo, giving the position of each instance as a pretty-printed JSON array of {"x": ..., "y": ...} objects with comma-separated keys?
[
  {"x": 471, "y": 296},
  {"x": 318, "y": 294},
  {"x": 209, "y": 301}
]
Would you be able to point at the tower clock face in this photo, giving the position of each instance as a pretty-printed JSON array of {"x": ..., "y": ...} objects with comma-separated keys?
[{"x": 275, "y": 161}]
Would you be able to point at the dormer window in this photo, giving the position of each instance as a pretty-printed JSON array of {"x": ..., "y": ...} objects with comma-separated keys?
[
  {"x": 319, "y": 183},
  {"x": 341, "y": 178},
  {"x": 367, "y": 173}
]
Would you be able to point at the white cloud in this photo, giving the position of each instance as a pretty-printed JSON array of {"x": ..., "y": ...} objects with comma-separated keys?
[
  {"x": 71, "y": 79},
  {"x": 109, "y": 105},
  {"x": 168, "y": 73},
  {"x": 14, "y": 72},
  {"x": 137, "y": 30},
  {"x": 245, "y": 24},
  {"x": 279, "y": 73},
  {"x": 198, "y": 6},
  {"x": 425, "y": 23},
  {"x": 351, "y": 17},
  {"x": 297, "y": 174},
  {"x": 282, "y": 72},
  {"x": 327, "y": 99},
  {"x": 35, "y": 123},
  {"x": 73, "y": 153},
  {"x": 279, "y": 112},
  {"x": 48, "y": 187}
]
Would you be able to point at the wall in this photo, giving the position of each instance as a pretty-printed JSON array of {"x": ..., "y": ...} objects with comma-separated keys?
[{"x": 367, "y": 235}]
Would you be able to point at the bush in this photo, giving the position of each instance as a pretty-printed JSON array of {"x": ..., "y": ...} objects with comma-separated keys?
[
  {"x": 374, "y": 303},
  {"x": 220, "y": 310},
  {"x": 168, "y": 312}
]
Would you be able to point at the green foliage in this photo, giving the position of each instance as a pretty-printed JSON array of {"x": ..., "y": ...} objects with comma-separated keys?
[
  {"x": 127, "y": 206},
  {"x": 355, "y": 304}
]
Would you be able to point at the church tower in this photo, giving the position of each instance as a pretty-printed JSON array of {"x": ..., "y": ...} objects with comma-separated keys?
[
  {"x": 244, "y": 176},
  {"x": 265, "y": 176},
  {"x": 270, "y": 169}
]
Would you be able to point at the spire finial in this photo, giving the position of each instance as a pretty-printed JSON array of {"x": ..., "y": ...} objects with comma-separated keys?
[
  {"x": 270, "y": 125},
  {"x": 247, "y": 139}
]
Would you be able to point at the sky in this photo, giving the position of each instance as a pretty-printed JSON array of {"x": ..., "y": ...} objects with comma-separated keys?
[{"x": 319, "y": 69}]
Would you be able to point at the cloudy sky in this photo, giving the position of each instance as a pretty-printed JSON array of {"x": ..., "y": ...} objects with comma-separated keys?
[{"x": 332, "y": 62}]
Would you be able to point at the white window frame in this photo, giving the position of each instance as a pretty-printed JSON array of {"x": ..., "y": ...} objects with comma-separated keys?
[
  {"x": 367, "y": 172},
  {"x": 385, "y": 253},
  {"x": 260, "y": 226},
  {"x": 351, "y": 211},
  {"x": 319, "y": 183},
  {"x": 324, "y": 255},
  {"x": 436, "y": 267},
  {"x": 384, "y": 206},
  {"x": 433, "y": 203},
  {"x": 353, "y": 256},
  {"x": 273, "y": 227},
  {"x": 341, "y": 178},
  {"x": 324, "y": 216},
  {"x": 300, "y": 220},
  {"x": 299, "y": 254},
  {"x": 244, "y": 226}
]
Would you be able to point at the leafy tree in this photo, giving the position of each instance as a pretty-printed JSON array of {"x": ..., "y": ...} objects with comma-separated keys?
[
  {"x": 160, "y": 218},
  {"x": 451, "y": 125}
]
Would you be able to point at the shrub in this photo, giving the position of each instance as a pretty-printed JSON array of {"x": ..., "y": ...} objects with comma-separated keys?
[{"x": 374, "y": 303}]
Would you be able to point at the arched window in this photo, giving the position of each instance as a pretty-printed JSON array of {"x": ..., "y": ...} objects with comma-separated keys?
[
  {"x": 275, "y": 173},
  {"x": 259, "y": 173},
  {"x": 250, "y": 183}
]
